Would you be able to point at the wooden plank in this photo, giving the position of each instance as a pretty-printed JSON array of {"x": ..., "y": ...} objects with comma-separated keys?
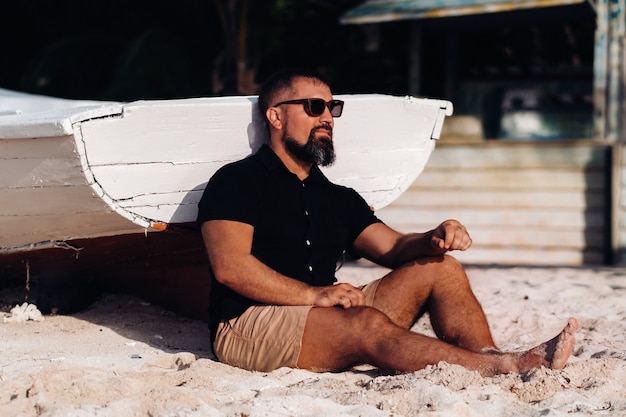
[
  {"x": 622, "y": 199},
  {"x": 539, "y": 238},
  {"x": 40, "y": 172},
  {"x": 617, "y": 160},
  {"x": 580, "y": 220},
  {"x": 155, "y": 178},
  {"x": 33, "y": 148},
  {"x": 63, "y": 227},
  {"x": 56, "y": 120},
  {"x": 469, "y": 197},
  {"x": 622, "y": 221},
  {"x": 622, "y": 174},
  {"x": 509, "y": 179},
  {"x": 520, "y": 155},
  {"x": 357, "y": 164},
  {"x": 174, "y": 131},
  {"x": 521, "y": 236},
  {"x": 50, "y": 200},
  {"x": 516, "y": 256}
]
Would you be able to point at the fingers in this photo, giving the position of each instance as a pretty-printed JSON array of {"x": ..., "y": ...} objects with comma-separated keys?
[
  {"x": 344, "y": 295},
  {"x": 451, "y": 235}
]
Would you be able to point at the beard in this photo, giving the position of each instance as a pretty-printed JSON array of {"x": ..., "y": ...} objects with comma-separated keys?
[{"x": 319, "y": 151}]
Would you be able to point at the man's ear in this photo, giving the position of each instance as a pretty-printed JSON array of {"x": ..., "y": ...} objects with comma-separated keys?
[{"x": 274, "y": 117}]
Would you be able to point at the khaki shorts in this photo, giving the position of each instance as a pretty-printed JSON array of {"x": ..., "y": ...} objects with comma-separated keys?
[{"x": 265, "y": 338}]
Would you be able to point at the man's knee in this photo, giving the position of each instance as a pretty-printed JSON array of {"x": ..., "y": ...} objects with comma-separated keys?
[
  {"x": 435, "y": 271},
  {"x": 450, "y": 276},
  {"x": 365, "y": 321},
  {"x": 452, "y": 264}
]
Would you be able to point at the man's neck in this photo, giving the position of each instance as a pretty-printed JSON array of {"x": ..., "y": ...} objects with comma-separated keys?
[{"x": 296, "y": 166}]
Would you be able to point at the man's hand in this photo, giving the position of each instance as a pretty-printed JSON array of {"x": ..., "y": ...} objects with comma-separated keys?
[
  {"x": 450, "y": 235},
  {"x": 344, "y": 295}
]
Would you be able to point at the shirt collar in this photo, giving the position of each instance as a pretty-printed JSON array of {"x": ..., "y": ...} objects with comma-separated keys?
[{"x": 272, "y": 162}]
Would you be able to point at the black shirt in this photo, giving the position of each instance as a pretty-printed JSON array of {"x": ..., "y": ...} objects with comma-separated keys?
[{"x": 301, "y": 228}]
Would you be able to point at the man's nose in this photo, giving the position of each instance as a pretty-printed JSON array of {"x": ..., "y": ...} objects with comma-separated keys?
[{"x": 326, "y": 116}]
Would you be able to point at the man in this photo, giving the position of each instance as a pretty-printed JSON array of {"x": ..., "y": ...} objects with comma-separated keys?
[{"x": 274, "y": 227}]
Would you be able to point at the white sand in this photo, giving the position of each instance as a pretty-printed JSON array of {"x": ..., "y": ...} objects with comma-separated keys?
[{"x": 124, "y": 357}]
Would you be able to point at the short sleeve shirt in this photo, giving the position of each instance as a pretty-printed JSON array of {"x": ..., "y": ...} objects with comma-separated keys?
[{"x": 301, "y": 228}]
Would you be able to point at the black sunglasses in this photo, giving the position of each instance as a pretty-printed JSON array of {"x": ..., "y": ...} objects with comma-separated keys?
[{"x": 315, "y": 106}]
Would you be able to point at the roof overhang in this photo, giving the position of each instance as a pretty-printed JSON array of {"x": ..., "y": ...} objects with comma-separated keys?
[{"x": 376, "y": 11}]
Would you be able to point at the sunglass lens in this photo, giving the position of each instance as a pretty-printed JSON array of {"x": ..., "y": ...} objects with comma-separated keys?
[
  {"x": 316, "y": 106},
  {"x": 336, "y": 108}
]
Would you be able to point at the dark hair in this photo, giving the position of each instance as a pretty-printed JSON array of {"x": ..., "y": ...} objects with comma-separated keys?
[{"x": 283, "y": 80}]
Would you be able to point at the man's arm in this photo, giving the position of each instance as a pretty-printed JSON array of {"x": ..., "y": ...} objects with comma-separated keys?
[
  {"x": 229, "y": 243},
  {"x": 387, "y": 247}
]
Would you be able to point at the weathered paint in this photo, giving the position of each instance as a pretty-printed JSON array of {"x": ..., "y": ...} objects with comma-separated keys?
[
  {"x": 619, "y": 203},
  {"x": 615, "y": 74},
  {"x": 600, "y": 69},
  {"x": 127, "y": 168},
  {"x": 374, "y": 11}
]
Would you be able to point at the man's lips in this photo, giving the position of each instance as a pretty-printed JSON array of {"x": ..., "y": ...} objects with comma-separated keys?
[{"x": 328, "y": 131}]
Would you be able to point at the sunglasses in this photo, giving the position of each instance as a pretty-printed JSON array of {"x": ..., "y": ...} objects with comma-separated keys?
[{"x": 315, "y": 106}]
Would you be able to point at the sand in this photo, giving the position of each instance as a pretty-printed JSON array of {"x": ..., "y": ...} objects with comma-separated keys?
[{"x": 126, "y": 357}]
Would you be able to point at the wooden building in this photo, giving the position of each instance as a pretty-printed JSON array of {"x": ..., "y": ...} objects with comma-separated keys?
[{"x": 533, "y": 162}]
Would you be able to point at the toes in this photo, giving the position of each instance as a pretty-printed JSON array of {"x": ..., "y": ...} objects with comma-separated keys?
[{"x": 572, "y": 325}]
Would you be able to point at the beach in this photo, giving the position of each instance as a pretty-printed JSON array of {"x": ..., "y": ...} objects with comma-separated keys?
[{"x": 123, "y": 356}]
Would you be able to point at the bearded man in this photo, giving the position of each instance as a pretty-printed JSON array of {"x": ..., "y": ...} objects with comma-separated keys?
[{"x": 274, "y": 227}]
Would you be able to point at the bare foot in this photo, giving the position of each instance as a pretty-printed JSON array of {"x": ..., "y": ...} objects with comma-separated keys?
[{"x": 552, "y": 354}]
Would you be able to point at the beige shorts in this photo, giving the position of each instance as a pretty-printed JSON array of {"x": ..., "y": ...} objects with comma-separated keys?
[{"x": 265, "y": 338}]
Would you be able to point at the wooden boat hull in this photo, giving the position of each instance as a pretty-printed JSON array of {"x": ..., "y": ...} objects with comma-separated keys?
[{"x": 85, "y": 170}]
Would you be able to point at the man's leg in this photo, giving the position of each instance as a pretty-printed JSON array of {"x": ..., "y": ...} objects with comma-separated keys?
[
  {"x": 439, "y": 286},
  {"x": 335, "y": 338}
]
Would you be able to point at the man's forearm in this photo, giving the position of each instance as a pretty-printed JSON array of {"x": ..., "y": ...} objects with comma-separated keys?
[{"x": 253, "y": 279}]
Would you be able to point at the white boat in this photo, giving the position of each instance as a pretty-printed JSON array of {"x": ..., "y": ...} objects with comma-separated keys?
[{"x": 84, "y": 169}]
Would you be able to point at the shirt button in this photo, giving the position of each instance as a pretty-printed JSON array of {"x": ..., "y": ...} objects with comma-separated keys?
[
  {"x": 308, "y": 242},
  {"x": 310, "y": 268},
  {"x": 306, "y": 212}
]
